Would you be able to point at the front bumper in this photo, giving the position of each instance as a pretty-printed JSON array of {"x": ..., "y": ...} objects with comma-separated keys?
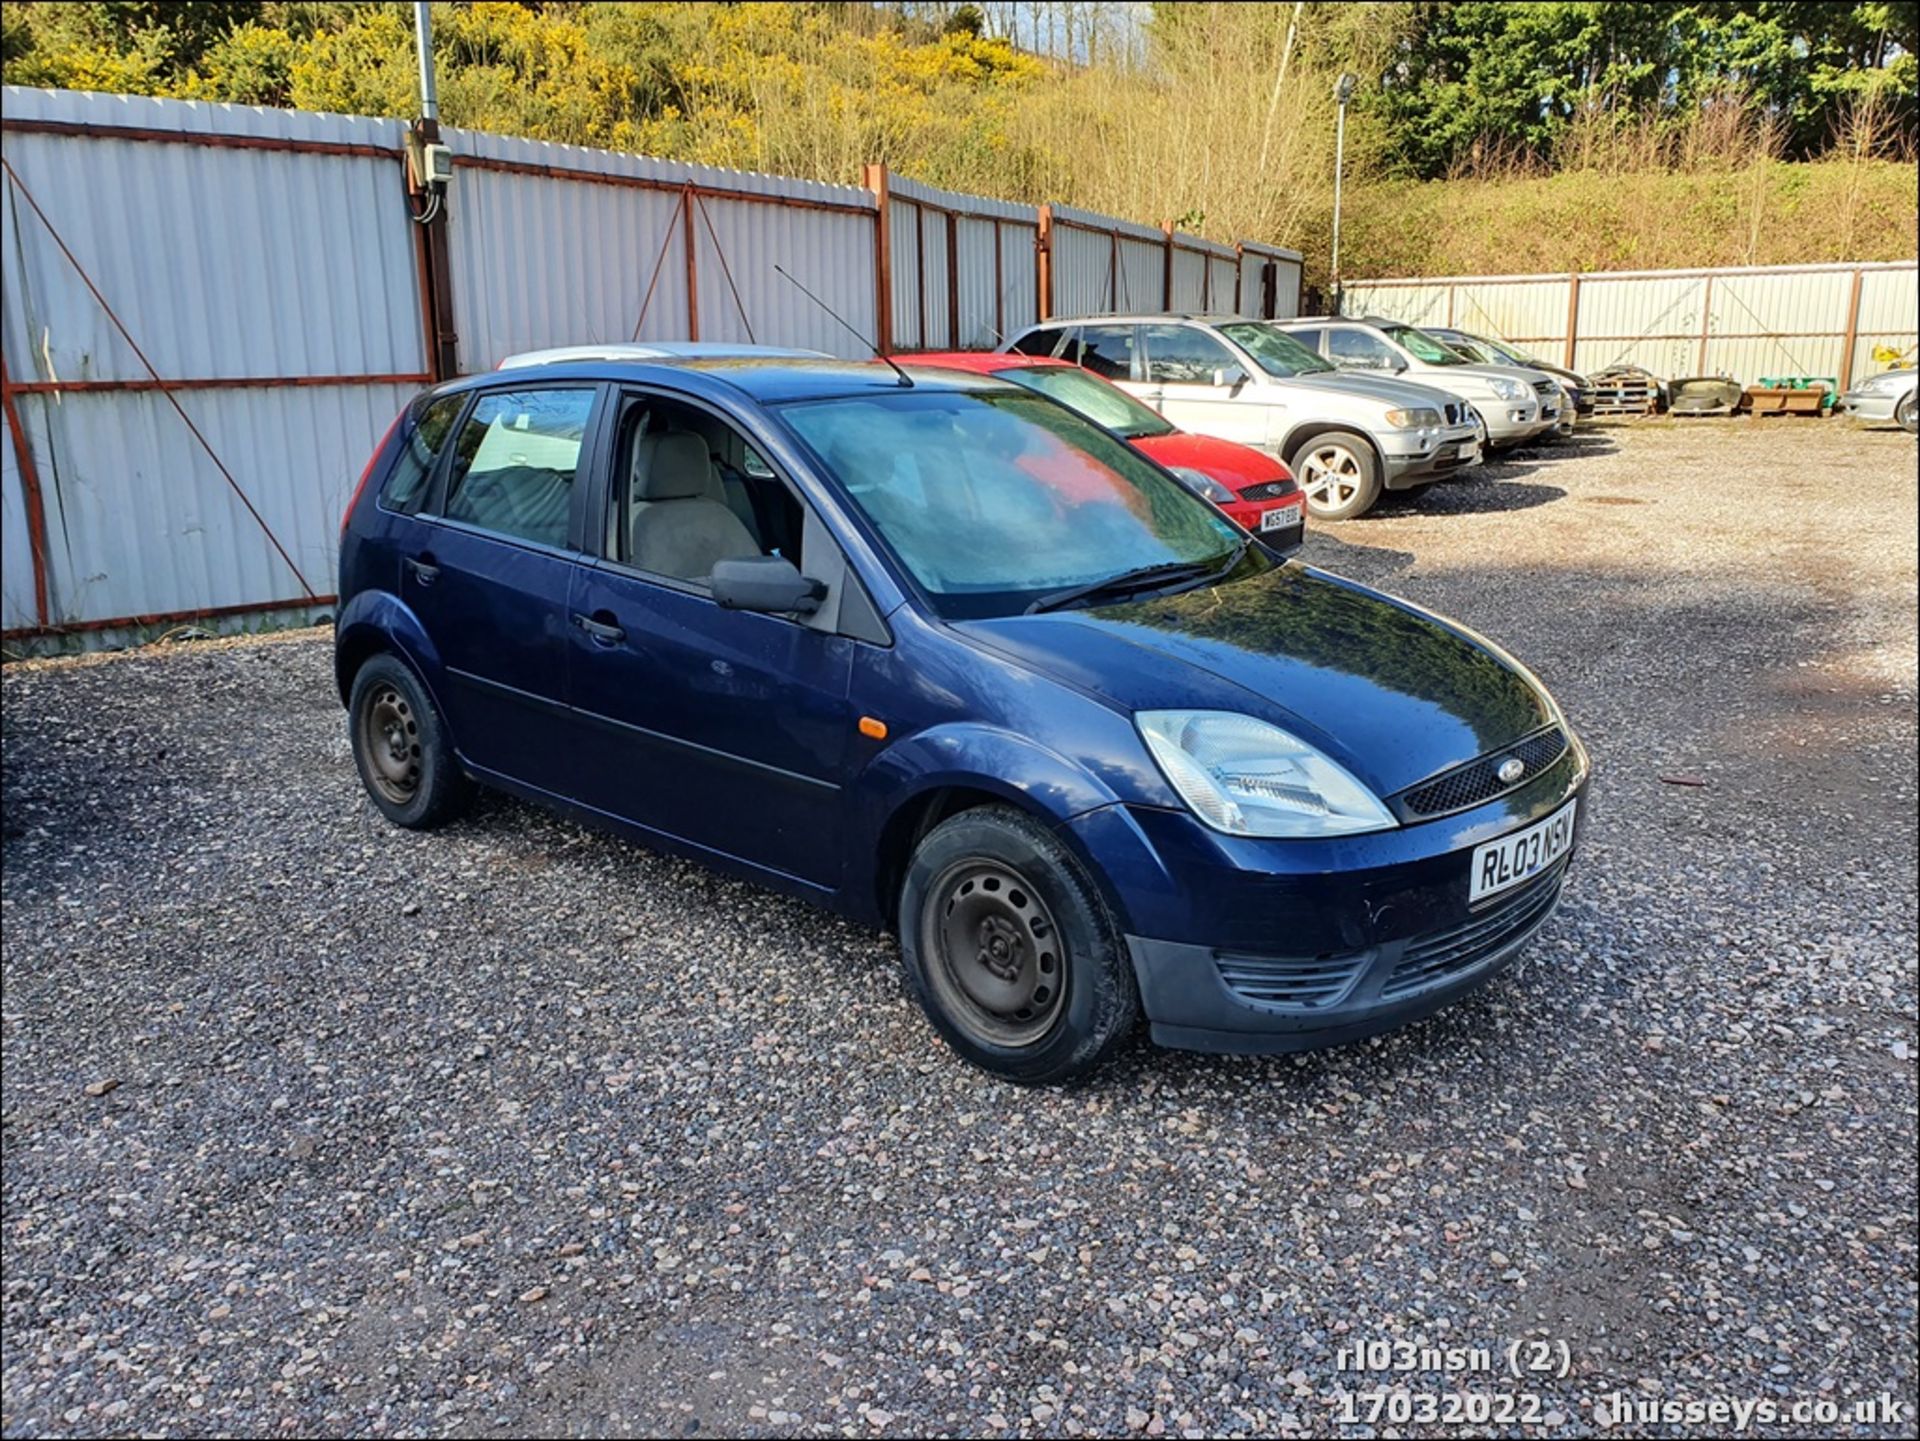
[
  {"x": 1259, "y": 945},
  {"x": 1869, "y": 404},
  {"x": 1413, "y": 457},
  {"x": 1511, "y": 421}
]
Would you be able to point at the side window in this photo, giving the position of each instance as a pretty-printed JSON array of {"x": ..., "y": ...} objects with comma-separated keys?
[
  {"x": 1359, "y": 350},
  {"x": 514, "y": 463},
  {"x": 690, "y": 490},
  {"x": 1182, "y": 355},
  {"x": 414, "y": 464},
  {"x": 1310, "y": 338},
  {"x": 1043, "y": 340},
  {"x": 1107, "y": 350}
]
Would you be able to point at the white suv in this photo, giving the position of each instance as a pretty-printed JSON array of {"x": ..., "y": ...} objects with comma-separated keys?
[
  {"x": 1345, "y": 437},
  {"x": 1515, "y": 403}
]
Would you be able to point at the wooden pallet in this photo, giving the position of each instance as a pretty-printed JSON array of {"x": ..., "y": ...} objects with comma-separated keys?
[{"x": 1625, "y": 395}]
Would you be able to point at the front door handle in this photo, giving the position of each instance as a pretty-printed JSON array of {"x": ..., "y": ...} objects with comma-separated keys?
[
  {"x": 603, "y": 632},
  {"x": 423, "y": 568}
]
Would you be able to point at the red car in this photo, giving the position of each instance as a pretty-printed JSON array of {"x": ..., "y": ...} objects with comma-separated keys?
[{"x": 1251, "y": 486}]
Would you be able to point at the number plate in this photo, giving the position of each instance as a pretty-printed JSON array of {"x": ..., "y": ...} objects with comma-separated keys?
[
  {"x": 1510, "y": 860},
  {"x": 1281, "y": 517},
  {"x": 1470, "y": 451}
]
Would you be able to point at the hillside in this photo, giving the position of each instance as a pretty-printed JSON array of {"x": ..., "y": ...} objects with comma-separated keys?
[{"x": 1220, "y": 117}]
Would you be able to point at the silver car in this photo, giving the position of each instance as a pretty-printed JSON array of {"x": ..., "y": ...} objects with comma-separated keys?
[
  {"x": 1891, "y": 395},
  {"x": 1346, "y": 438},
  {"x": 1514, "y": 403}
]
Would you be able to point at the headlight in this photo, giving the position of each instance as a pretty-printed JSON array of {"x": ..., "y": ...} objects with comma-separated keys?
[
  {"x": 1248, "y": 778},
  {"x": 1886, "y": 380},
  {"x": 1412, "y": 419},
  {"x": 1507, "y": 389},
  {"x": 1201, "y": 483}
]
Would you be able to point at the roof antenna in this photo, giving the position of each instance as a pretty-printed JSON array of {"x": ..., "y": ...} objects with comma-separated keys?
[{"x": 905, "y": 379}]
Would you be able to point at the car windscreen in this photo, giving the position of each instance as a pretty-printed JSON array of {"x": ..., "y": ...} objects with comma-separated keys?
[
  {"x": 1493, "y": 352},
  {"x": 1105, "y": 405},
  {"x": 992, "y": 500},
  {"x": 1275, "y": 351},
  {"x": 1422, "y": 346}
]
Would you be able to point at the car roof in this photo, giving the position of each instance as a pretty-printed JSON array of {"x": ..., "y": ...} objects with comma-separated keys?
[
  {"x": 653, "y": 350},
  {"x": 769, "y": 379},
  {"x": 1155, "y": 317},
  {"x": 982, "y": 362}
]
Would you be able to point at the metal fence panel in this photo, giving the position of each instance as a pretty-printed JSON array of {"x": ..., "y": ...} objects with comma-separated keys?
[
  {"x": 17, "y": 610},
  {"x": 145, "y": 524},
  {"x": 830, "y": 252},
  {"x": 1083, "y": 272},
  {"x": 1747, "y": 323},
  {"x": 980, "y": 285},
  {"x": 1189, "y": 281},
  {"x": 1141, "y": 273},
  {"x": 903, "y": 250},
  {"x": 1019, "y": 277}
]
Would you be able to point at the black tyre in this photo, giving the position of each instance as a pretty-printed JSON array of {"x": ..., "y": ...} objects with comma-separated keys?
[
  {"x": 401, "y": 748},
  {"x": 1907, "y": 412},
  {"x": 1012, "y": 951},
  {"x": 1339, "y": 474}
]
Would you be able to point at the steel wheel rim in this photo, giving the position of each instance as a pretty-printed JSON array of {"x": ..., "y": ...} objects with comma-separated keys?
[
  {"x": 998, "y": 961},
  {"x": 390, "y": 744},
  {"x": 1331, "y": 476}
]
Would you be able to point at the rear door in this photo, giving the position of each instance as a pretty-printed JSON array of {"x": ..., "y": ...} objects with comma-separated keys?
[
  {"x": 488, "y": 572},
  {"x": 1351, "y": 348},
  {"x": 1185, "y": 367},
  {"x": 1111, "y": 352}
]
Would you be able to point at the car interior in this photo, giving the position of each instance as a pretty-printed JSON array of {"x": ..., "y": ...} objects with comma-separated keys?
[{"x": 691, "y": 492}]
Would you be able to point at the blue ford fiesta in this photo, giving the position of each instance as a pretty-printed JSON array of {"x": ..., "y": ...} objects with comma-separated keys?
[{"x": 939, "y": 653}]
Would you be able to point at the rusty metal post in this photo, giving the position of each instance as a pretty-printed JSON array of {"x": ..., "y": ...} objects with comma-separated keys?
[
  {"x": 30, "y": 495},
  {"x": 1853, "y": 334},
  {"x": 1452, "y": 292},
  {"x": 1043, "y": 263},
  {"x": 953, "y": 281},
  {"x": 436, "y": 260},
  {"x": 874, "y": 176},
  {"x": 999, "y": 289},
  {"x": 1166, "y": 270},
  {"x": 1573, "y": 317},
  {"x": 693, "y": 270}
]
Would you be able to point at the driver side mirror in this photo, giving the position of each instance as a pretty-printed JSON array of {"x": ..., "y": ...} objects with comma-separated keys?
[
  {"x": 767, "y": 583},
  {"x": 1229, "y": 375}
]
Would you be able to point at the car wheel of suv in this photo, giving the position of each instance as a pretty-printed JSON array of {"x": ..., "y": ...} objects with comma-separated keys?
[
  {"x": 1907, "y": 412},
  {"x": 400, "y": 746},
  {"x": 1338, "y": 473},
  {"x": 1011, "y": 950}
]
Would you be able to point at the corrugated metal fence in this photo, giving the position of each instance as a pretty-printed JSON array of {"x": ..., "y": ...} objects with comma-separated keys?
[
  {"x": 212, "y": 312},
  {"x": 1808, "y": 320}
]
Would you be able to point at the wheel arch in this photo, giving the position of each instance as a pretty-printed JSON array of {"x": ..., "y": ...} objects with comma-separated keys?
[{"x": 1299, "y": 437}]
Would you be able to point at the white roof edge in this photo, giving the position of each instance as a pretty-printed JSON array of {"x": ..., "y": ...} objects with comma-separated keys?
[{"x": 1550, "y": 277}]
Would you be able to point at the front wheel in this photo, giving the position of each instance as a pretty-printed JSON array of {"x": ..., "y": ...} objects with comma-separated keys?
[
  {"x": 1011, "y": 950},
  {"x": 1338, "y": 473},
  {"x": 1907, "y": 412}
]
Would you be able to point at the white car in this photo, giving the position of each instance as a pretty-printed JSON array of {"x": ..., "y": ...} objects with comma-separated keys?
[
  {"x": 1891, "y": 395},
  {"x": 1345, "y": 437},
  {"x": 1515, "y": 403}
]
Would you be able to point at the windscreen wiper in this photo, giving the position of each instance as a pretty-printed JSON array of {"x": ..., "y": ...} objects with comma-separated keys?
[{"x": 1147, "y": 577}]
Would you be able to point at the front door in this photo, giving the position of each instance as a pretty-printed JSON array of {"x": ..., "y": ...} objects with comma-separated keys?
[
  {"x": 489, "y": 575},
  {"x": 1200, "y": 385},
  {"x": 727, "y": 729}
]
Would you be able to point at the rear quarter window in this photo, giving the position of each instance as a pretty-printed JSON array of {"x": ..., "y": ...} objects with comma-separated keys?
[{"x": 424, "y": 441}]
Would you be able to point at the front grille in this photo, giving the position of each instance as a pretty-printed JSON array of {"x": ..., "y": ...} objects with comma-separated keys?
[
  {"x": 1268, "y": 490},
  {"x": 1293, "y": 983},
  {"x": 1479, "y": 780},
  {"x": 1543, "y": 387},
  {"x": 1455, "y": 412},
  {"x": 1447, "y": 955}
]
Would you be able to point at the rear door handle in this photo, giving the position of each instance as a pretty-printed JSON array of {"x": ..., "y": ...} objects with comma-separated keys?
[
  {"x": 423, "y": 568},
  {"x": 603, "y": 632}
]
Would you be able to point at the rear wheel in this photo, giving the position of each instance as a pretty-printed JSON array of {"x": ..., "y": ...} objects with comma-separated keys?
[
  {"x": 400, "y": 746},
  {"x": 1338, "y": 473},
  {"x": 1011, "y": 950},
  {"x": 1907, "y": 412}
]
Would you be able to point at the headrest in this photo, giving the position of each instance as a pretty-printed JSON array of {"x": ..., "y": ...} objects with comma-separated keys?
[{"x": 672, "y": 465}]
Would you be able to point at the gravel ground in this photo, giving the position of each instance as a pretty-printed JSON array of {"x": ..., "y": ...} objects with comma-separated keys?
[{"x": 314, "y": 1125}]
